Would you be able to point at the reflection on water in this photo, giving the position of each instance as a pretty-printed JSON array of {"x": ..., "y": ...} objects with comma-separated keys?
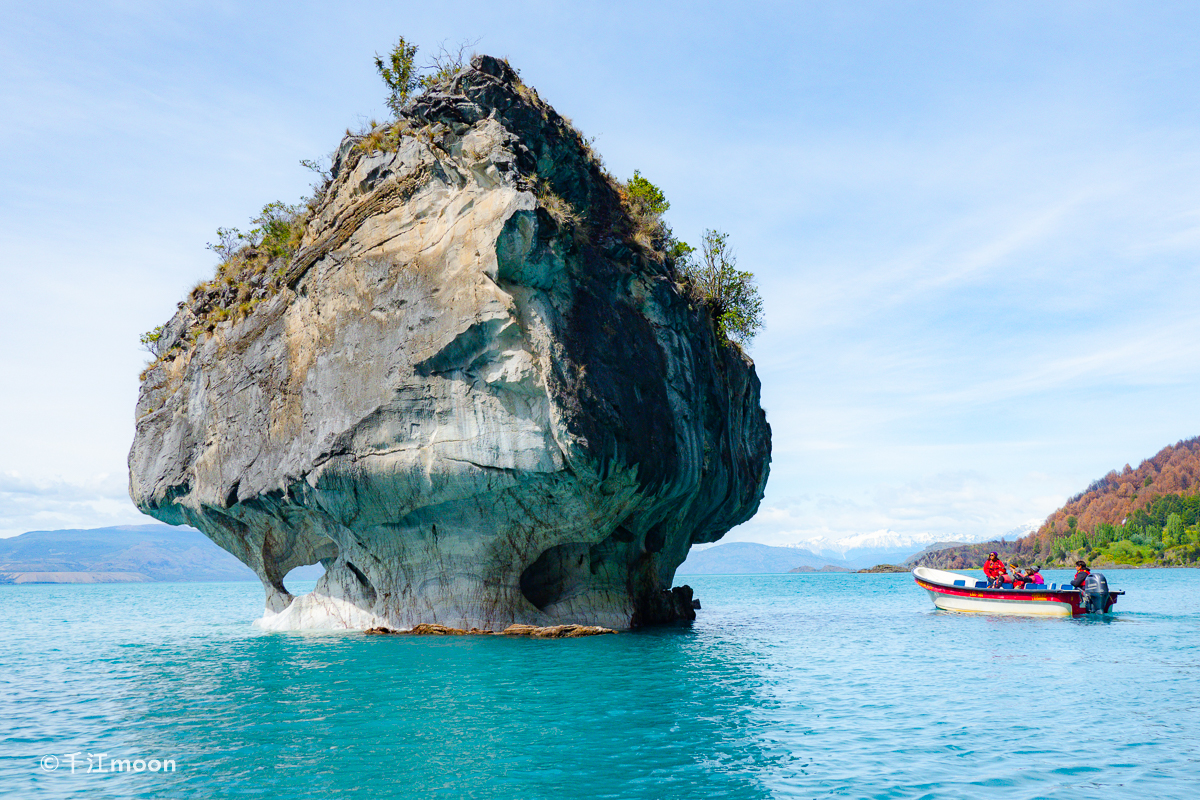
[{"x": 791, "y": 685}]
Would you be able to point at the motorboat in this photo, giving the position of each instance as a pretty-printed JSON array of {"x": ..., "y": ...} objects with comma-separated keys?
[{"x": 952, "y": 591}]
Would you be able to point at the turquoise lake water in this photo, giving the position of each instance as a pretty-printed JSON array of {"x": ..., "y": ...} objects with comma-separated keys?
[{"x": 805, "y": 686}]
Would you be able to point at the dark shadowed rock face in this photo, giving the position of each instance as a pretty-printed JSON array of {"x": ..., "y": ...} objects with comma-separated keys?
[{"x": 477, "y": 401}]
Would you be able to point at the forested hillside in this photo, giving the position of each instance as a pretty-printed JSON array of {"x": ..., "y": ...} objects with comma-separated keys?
[{"x": 1133, "y": 517}]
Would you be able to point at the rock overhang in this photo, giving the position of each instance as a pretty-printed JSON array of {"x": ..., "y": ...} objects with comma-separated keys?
[{"x": 474, "y": 411}]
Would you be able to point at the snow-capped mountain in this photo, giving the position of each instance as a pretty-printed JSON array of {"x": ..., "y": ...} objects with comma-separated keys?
[
  {"x": 1024, "y": 529},
  {"x": 888, "y": 546}
]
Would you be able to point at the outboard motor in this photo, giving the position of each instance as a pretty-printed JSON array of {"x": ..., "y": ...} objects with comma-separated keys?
[{"x": 1095, "y": 594}]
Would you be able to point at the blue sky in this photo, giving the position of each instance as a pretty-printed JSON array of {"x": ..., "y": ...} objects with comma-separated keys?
[{"x": 976, "y": 226}]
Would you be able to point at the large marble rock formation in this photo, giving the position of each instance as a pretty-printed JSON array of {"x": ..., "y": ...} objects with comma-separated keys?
[{"x": 475, "y": 398}]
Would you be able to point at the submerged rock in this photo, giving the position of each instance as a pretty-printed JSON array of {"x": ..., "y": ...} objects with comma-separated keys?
[{"x": 478, "y": 398}]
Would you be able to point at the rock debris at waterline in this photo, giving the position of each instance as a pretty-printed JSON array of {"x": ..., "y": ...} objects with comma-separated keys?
[
  {"x": 472, "y": 411},
  {"x": 516, "y": 629}
]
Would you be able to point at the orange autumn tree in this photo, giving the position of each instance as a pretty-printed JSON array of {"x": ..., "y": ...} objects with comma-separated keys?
[{"x": 1143, "y": 516}]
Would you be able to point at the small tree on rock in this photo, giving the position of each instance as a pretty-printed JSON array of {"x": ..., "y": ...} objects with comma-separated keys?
[
  {"x": 399, "y": 74},
  {"x": 644, "y": 198},
  {"x": 730, "y": 293},
  {"x": 646, "y": 205},
  {"x": 152, "y": 340}
]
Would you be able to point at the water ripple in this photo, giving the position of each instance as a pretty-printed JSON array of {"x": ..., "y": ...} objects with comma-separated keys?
[{"x": 787, "y": 686}]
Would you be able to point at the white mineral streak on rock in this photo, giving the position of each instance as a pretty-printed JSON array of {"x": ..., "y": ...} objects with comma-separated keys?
[{"x": 472, "y": 414}]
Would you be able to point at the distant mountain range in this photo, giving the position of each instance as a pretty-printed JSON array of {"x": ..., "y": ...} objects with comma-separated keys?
[
  {"x": 127, "y": 553},
  {"x": 137, "y": 553},
  {"x": 739, "y": 558},
  {"x": 851, "y": 552},
  {"x": 926, "y": 556},
  {"x": 891, "y": 547}
]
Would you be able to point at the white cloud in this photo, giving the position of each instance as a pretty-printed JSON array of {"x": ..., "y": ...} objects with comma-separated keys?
[
  {"x": 51, "y": 504},
  {"x": 960, "y": 506}
]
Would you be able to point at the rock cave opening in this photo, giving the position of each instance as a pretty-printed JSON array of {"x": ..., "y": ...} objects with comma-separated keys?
[
  {"x": 555, "y": 573},
  {"x": 302, "y": 580}
]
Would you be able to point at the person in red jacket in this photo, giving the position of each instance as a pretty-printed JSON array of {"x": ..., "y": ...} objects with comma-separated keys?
[{"x": 995, "y": 570}]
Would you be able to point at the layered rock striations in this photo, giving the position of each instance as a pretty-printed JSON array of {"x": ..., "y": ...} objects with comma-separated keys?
[{"x": 476, "y": 398}]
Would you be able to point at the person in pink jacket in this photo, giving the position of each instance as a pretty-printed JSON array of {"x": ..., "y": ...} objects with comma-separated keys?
[{"x": 1034, "y": 576}]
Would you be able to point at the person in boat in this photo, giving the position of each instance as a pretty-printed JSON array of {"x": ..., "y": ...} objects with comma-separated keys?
[
  {"x": 1018, "y": 578},
  {"x": 1034, "y": 577},
  {"x": 995, "y": 571},
  {"x": 1081, "y": 574}
]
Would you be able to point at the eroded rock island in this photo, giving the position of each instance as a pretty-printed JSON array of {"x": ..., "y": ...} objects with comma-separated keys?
[{"x": 476, "y": 395}]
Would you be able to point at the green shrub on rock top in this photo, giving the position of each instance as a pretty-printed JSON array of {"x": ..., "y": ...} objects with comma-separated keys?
[
  {"x": 277, "y": 232},
  {"x": 402, "y": 76},
  {"x": 644, "y": 198},
  {"x": 399, "y": 74},
  {"x": 645, "y": 203},
  {"x": 151, "y": 339},
  {"x": 731, "y": 293}
]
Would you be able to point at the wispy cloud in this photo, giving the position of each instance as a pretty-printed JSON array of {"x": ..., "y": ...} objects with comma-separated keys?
[
  {"x": 28, "y": 504},
  {"x": 1167, "y": 352},
  {"x": 949, "y": 506}
]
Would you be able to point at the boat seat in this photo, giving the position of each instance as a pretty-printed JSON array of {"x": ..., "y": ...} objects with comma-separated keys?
[
  {"x": 980, "y": 584},
  {"x": 960, "y": 583},
  {"x": 1007, "y": 586}
]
